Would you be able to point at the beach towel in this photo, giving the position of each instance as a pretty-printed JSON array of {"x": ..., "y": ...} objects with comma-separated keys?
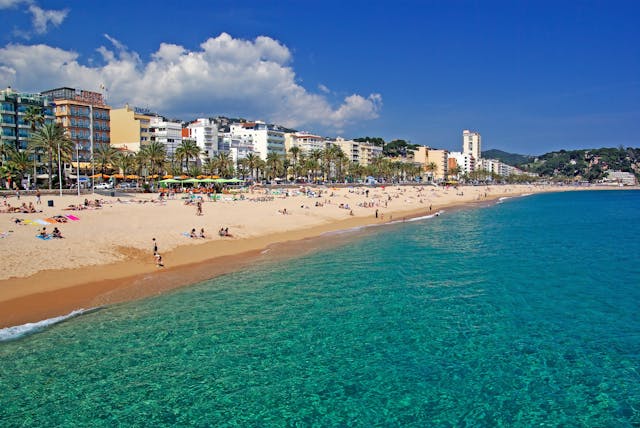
[
  {"x": 186, "y": 234},
  {"x": 39, "y": 221},
  {"x": 50, "y": 220},
  {"x": 44, "y": 238},
  {"x": 72, "y": 217}
]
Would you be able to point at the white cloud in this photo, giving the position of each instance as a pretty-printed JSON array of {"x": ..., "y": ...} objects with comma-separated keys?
[
  {"x": 224, "y": 76},
  {"x": 7, "y": 4},
  {"x": 324, "y": 89},
  {"x": 41, "y": 18}
]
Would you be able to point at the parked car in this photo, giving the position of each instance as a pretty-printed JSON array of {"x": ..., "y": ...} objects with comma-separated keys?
[{"x": 103, "y": 186}]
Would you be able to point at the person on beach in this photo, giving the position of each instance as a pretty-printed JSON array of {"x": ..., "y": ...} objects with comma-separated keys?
[
  {"x": 38, "y": 201},
  {"x": 199, "y": 208},
  {"x": 193, "y": 233},
  {"x": 376, "y": 213},
  {"x": 57, "y": 233},
  {"x": 155, "y": 246},
  {"x": 202, "y": 235},
  {"x": 43, "y": 232},
  {"x": 158, "y": 259}
]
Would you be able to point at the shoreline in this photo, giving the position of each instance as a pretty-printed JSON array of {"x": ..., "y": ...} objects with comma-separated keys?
[{"x": 55, "y": 292}]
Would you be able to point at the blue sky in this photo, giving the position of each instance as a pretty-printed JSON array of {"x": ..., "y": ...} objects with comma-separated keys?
[{"x": 531, "y": 77}]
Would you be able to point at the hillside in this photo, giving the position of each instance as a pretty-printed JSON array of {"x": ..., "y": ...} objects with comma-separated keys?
[
  {"x": 508, "y": 158},
  {"x": 589, "y": 164}
]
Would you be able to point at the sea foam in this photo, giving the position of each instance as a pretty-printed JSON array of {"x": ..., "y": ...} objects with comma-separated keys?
[{"x": 16, "y": 332}]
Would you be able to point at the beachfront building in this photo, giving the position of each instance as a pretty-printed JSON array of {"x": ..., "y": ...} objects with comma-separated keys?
[
  {"x": 15, "y": 132},
  {"x": 266, "y": 138},
  {"x": 86, "y": 118},
  {"x": 204, "y": 132},
  {"x": 464, "y": 161},
  {"x": 305, "y": 141},
  {"x": 358, "y": 152},
  {"x": 472, "y": 144},
  {"x": 620, "y": 177},
  {"x": 434, "y": 162},
  {"x": 166, "y": 132},
  {"x": 130, "y": 128}
]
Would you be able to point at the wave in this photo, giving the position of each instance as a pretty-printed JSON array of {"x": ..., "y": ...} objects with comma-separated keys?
[{"x": 16, "y": 332}]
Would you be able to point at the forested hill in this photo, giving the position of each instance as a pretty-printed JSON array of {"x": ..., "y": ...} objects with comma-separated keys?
[
  {"x": 590, "y": 164},
  {"x": 508, "y": 158}
]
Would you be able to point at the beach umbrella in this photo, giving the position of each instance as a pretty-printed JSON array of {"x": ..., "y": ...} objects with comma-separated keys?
[
  {"x": 167, "y": 176},
  {"x": 207, "y": 180},
  {"x": 235, "y": 180},
  {"x": 118, "y": 176},
  {"x": 132, "y": 177},
  {"x": 191, "y": 180}
]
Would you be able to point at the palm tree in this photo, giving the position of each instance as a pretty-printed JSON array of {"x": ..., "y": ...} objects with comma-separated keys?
[
  {"x": 223, "y": 163},
  {"x": 431, "y": 168},
  {"x": 252, "y": 164},
  {"x": 105, "y": 155},
  {"x": 295, "y": 153},
  {"x": 186, "y": 150},
  {"x": 155, "y": 154},
  {"x": 274, "y": 165},
  {"x": 51, "y": 138},
  {"x": 20, "y": 161},
  {"x": 124, "y": 161},
  {"x": 34, "y": 116}
]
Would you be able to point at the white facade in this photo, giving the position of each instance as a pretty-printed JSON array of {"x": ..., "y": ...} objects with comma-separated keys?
[
  {"x": 465, "y": 162},
  {"x": 472, "y": 144},
  {"x": 166, "y": 132},
  {"x": 205, "y": 133},
  {"x": 238, "y": 147},
  {"x": 624, "y": 178},
  {"x": 266, "y": 138}
]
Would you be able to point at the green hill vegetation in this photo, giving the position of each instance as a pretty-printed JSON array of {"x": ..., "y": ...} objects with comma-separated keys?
[
  {"x": 508, "y": 158},
  {"x": 587, "y": 164}
]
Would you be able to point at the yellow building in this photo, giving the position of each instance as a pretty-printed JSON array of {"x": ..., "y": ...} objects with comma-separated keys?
[
  {"x": 439, "y": 158},
  {"x": 130, "y": 128}
]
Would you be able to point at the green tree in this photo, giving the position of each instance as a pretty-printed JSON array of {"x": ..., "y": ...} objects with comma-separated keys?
[
  {"x": 186, "y": 150},
  {"x": 51, "y": 139},
  {"x": 105, "y": 155},
  {"x": 274, "y": 165},
  {"x": 155, "y": 154}
]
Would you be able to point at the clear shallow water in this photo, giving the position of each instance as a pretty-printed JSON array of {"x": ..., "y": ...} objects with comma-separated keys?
[{"x": 520, "y": 314}]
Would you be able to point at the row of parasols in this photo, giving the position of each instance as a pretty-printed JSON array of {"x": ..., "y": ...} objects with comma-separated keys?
[{"x": 167, "y": 179}]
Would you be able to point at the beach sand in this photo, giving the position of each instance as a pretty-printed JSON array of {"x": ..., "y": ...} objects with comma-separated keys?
[{"x": 107, "y": 255}]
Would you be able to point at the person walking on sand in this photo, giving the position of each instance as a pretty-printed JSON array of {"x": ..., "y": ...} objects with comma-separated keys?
[
  {"x": 199, "y": 208},
  {"x": 376, "y": 213},
  {"x": 38, "y": 201},
  {"x": 155, "y": 246}
]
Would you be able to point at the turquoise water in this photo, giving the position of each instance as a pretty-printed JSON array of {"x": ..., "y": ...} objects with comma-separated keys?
[{"x": 520, "y": 314}]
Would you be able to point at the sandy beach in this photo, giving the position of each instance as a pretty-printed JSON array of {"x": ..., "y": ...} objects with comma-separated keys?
[{"x": 106, "y": 256}]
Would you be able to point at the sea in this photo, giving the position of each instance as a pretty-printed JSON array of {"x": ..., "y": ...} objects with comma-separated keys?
[{"x": 520, "y": 313}]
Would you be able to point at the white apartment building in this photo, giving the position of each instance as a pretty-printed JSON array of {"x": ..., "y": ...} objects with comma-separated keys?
[
  {"x": 205, "y": 133},
  {"x": 465, "y": 161},
  {"x": 166, "y": 132},
  {"x": 472, "y": 144},
  {"x": 266, "y": 138},
  {"x": 238, "y": 147},
  {"x": 305, "y": 141}
]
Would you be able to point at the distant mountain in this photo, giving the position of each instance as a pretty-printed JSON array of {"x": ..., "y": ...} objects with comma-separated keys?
[{"x": 508, "y": 158}]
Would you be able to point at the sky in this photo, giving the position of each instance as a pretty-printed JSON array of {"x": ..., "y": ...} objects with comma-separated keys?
[{"x": 529, "y": 76}]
